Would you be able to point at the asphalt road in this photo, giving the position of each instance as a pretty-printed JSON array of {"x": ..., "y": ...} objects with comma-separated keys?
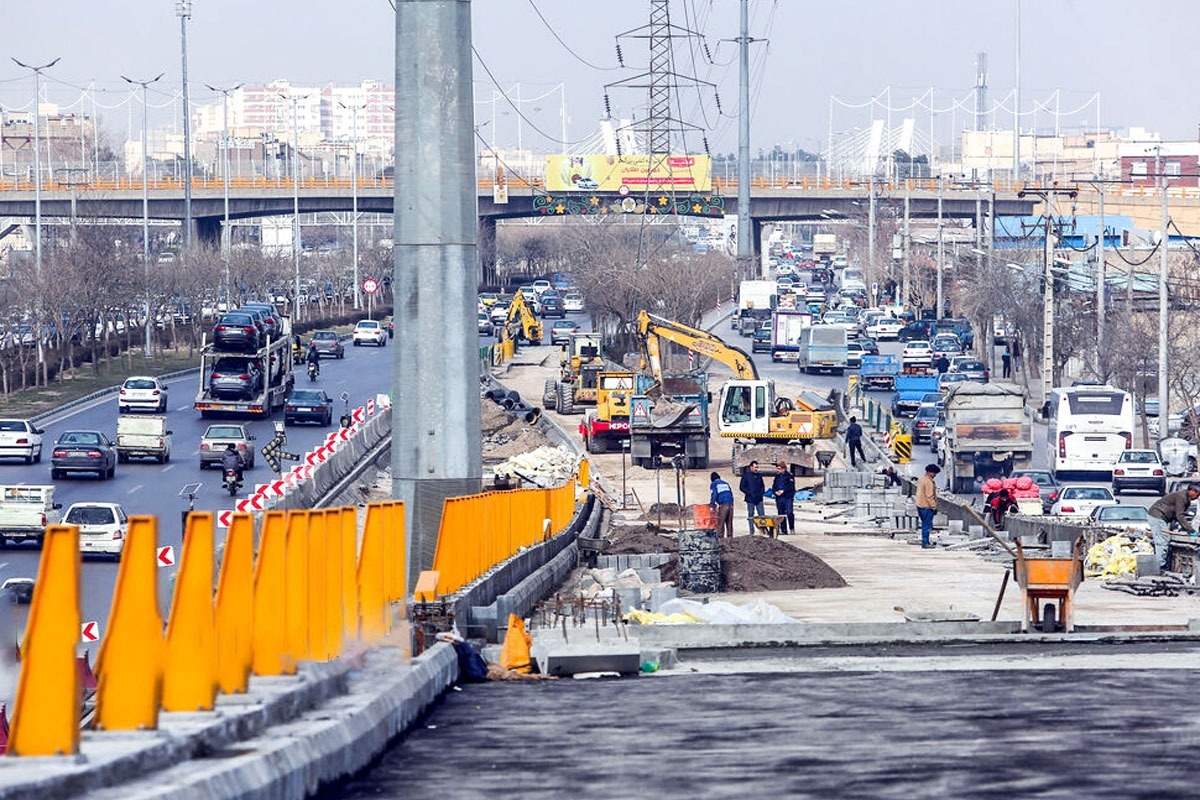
[{"x": 145, "y": 487}]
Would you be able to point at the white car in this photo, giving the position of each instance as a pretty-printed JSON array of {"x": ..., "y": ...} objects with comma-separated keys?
[
  {"x": 917, "y": 353},
  {"x": 20, "y": 438},
  {"x": 885, "y": 328},
  {"x": 102, "y": 527},
  {"x": 1080, "y": 501},
  {"x": 369, "y": 331},
  {"x": 573, "y": 302},
  {"x": 499, "y": 314},
  {"x": 142, "y": 393}
]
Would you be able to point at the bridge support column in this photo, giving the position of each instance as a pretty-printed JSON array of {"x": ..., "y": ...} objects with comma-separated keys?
[
  {"x": 436, "y": 436},
  {"x": 208, "y": 231},
  {"x": 756, "y": 240},
  {"x": 487, "y": 252}
]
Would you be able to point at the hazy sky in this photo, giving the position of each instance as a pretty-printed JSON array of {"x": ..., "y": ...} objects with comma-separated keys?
[{"x": 808, "y": 51}]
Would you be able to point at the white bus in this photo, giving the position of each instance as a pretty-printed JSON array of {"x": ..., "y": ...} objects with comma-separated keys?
[{"x": 1088, "y": 428}]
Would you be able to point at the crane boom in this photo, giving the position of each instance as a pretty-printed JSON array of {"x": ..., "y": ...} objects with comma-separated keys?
[{"x": 651, "y": 329}]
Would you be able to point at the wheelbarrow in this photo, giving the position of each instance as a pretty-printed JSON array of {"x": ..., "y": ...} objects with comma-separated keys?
[
  {"x": 769, "y": 525},
  {"x": 1048, "y": 587}
]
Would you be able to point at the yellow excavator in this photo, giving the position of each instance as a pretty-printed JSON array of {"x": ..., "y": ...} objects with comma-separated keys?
[
  {"x": 521, "y": 323},
  {"x": 764, "y": 427}
]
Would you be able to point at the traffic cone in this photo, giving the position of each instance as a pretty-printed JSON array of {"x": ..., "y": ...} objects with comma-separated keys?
[{"x": 514, "y": 654}]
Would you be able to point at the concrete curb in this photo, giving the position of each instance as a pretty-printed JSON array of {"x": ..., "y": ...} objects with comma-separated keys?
[
  {"x": 96, "y": 395},
  {"x": 271, "y": 742}
]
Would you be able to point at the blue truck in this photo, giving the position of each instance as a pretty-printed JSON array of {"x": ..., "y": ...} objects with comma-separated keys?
[
  {"x": 879, "y": 372},
  {"x": 909, "y": 391},
  {"x": 669, "y": 420}
]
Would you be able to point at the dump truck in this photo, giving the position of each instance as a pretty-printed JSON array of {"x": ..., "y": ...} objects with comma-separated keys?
[
  {"x": 988, "y": 434},
  {"x": 879, "y": 372},
  {"x": 909, "y": 391}
]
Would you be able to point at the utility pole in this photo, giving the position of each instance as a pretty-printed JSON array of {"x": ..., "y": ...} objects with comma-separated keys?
[
  {"x": 295, "y": 101},
  {"x": 1101, "y": 280},
  {"x": 904, "y": 254},
  {"x": 1017, "y": 104},
  {"x": 146, "y": 349},
  {"x": 225, "y": 233},
  {"x": 745, "y": 243},
  {"x": 184, "y": 9},
  {"x": 941, "y": 249},
  {"x": 354, "y": 193},
  {"x": 1163, "y": 309},
  {"x": 1048, "y": 196},
  {"x": 871, "y": 273}
]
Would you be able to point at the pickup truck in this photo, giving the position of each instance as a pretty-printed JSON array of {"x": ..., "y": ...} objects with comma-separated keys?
[
  {"x": 143, "y": 437},
  {"x": 909, "y": 391},
  {"x": 879, "y": 372},
  {"x": 25, "y": 511}
]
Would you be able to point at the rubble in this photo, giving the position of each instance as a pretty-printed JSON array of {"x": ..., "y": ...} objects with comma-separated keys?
[{"x": 545, "y": 466}]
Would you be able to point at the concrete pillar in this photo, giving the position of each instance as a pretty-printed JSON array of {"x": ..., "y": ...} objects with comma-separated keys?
[
  {"x": 487, "y": 252},
  {"x": 436, "y": 439}
]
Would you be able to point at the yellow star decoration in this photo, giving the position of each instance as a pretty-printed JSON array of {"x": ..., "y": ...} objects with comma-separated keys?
[
  {"x": 662, "y": 201},
  {"x": 696, "y": 208},
  {"x": 594, "y": 200},
  {"x": 559, "y": 209},
  {"x": 653, "y": 210}
]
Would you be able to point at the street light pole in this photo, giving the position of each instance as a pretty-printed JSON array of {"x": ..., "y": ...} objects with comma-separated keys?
[
  {"x": 146, "y": 349},
  {"x": 354, "y": 193},
  {"x": 225, "y": 234},
  {"x": 941, "y": 249},
  {"x": 295, "y": 101},
  {"x": 184, "y": 9},
  {"x": 37, "y": 159},
  {"x": 1163, "y": 309}
]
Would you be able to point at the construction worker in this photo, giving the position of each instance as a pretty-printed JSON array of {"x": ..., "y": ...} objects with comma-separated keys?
[
  {"x": 854, "y": 435},
  {"x": 721, "y": 501},
  {"x": 1171, "y": 509},
  {"x": 927, "y": 502},
  {"x": 784, "y": 490},
  {"x": 753, "y": 490}
]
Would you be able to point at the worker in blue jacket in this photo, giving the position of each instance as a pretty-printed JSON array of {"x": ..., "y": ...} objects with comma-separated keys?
[{"x": 721, "y": 500}]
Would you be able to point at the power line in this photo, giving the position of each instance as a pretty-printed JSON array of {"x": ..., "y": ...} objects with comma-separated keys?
[
  {"x": 566, "y": 46},
  {"x": 515, "y": 108}
]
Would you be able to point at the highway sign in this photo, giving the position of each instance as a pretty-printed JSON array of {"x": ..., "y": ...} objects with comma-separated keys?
[
  {"x": 273, "y": 451},
  {"x": 166, "y": 556},
  {"x": 224, "y": 518},
  {"x": 89, "y": 632},
  {"x": 370, "y": 286}
]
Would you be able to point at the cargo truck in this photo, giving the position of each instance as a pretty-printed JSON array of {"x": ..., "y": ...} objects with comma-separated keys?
[
  {"x": 25, "y": 511},
  {"x": 823, "y": 347},
  {"x": 824, "y": 246},
  {"x": 143, "y": 437},
  {"x": 756, "y": 299},
  {"x": 988, "y": 434},
  {"x": 787, "y": 330},
  {"x": 671, "y": 422},
  {"x": 879, "y": 372},
  {"x": 909, "y": 391},
  {"x": 267, "y": 378}
]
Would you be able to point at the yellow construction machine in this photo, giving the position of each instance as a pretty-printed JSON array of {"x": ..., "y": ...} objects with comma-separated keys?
[
  {"x": 521, "y": 323},
  {"x": 607, "y": 424},
  {"x": 581, "y": 364},
  {"x": 764, "y": 427}
]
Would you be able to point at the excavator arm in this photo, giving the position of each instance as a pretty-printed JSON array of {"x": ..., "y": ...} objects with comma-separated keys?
[
  {"x": 521, "y": 316},
  {"x": 651, "y": 330}
]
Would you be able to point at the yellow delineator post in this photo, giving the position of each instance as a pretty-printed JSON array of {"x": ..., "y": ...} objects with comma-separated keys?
[
  {"x": 296, "y": 586},
  {"x": 902, "y": 446},
  {"x": 189, "y": 672},
  {"x": 235, "y": 607},
  {"x": 129, "y": 666},
  {"x": 48, "y": 701},
  {"x": 585, "y": 472},
  {"x": 333, "y": 581},
  {"x": 349, "y": 572},
  {"x": 318, "y": 628},
  {"x": 269, "y": 652},
  {"x": 372, "y": 604}
]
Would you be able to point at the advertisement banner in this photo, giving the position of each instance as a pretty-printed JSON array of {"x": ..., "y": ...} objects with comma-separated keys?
[{"x": 628, "y": 174}]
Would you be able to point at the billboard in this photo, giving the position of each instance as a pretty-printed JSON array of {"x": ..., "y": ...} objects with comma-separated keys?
[{"x": 628, "y": 174}]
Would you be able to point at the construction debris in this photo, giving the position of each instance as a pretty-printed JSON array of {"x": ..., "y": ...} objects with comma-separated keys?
[
  {"x": 1115, "y": 557},
  {"x": 544, "y": 467},
  {"x": 715, "y": 612}
]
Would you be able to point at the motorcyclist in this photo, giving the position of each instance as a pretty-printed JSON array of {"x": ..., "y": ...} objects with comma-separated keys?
[
  {"x": 232, "y": 460},
  {"x": 314, "y": 358}
]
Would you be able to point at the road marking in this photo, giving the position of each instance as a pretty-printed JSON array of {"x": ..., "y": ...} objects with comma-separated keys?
[
  {"x": 183, "y": 408},
  {"x": 168, "y": 468},
  {"x": 134, "y": 489}
]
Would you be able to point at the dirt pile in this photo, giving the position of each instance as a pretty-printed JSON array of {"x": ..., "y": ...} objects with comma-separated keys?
[
  {"x": 504, "y": 435},
  {"x": 748, "y": 563}
]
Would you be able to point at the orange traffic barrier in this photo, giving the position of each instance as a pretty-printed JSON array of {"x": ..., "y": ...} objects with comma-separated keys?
[
  {"x": 235, "y": 607},
  {"x": 333, "y": 581},
  {"x": 349, "y": 517},
  {"x": 48, "y": 701},
  {"x": 427, "y": 583},
  {"x": 296, "y": 586},
  {"x": 189, "y": 679},
  {"x": 318, "y": 630},
  {"x": 269, "y": 652},
  {"x": 130, "y": 662},
  {"x": 372, "y": 595}
]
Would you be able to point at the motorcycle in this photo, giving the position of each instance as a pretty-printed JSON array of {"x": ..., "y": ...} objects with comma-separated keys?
[
  {"x": 232, "y": 483},
  {"x": 313, "y": 370}
]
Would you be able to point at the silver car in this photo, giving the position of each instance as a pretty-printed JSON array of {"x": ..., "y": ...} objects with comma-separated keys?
[{"x": 218, "y": 437}]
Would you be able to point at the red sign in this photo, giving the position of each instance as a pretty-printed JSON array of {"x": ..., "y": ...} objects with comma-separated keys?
[
  {"x": 90, "y": 632},
  {"x": 344, "y": 434},
  {"x": 224, "y": 518},
  {"x": 370, "y": 286},
  {"x": 277, "y": 488},
  {"x": 311, "y": 458},
  {"x": 242, "y": 506},
  {"x": 358, "y": 414},
  {"x": 371, "y": 406},
  {"x": 256, "y": 502},
  {"x": 166, "y": 556}
]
